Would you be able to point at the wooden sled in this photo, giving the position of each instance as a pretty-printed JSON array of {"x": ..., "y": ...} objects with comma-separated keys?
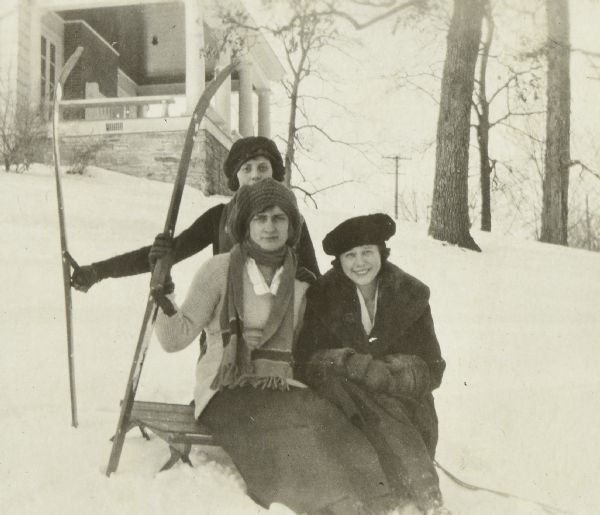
[{"x": 173, "y": 423}]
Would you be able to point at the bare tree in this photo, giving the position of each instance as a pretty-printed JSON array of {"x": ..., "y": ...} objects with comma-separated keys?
[
  {"x": 306, "y": 34},
  {"x": 518, "y": 90},
  {"x": 482, "y": 109},
  {"x": 22, "y": 126},
  {"x": 304, "y": 31},
  {"x": 450, "y": 208},
  {"x": 556, "y": 179},
  {"x": 309, "y": 27}
]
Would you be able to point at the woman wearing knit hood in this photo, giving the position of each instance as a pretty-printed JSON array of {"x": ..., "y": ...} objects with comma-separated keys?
[
  {"x": 250, "y": 160},
  {"x": 290, "y": 445}
]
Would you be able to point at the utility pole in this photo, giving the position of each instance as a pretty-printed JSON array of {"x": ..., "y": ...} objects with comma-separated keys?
[{"x": 396, "y": 158}]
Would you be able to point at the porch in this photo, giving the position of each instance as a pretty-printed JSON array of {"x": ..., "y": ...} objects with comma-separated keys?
[{"x": 144, "y": 66}]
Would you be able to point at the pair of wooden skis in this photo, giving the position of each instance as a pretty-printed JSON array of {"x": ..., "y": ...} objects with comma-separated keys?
[{"x": 161, "y": 268}]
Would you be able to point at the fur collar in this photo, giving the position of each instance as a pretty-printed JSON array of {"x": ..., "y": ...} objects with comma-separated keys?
[{"x": 402, "y": 299}]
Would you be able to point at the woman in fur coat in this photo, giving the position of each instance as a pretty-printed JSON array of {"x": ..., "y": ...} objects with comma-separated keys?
[{"x": 368, "y": 345}]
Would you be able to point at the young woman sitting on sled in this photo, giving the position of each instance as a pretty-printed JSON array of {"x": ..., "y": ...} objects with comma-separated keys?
[
  {"x": 368, "y": 344},
  {"x": 290, "y": 445}
]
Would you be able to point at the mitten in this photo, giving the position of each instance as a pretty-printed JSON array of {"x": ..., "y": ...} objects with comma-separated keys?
[
  {"x": 356, "y": 366},
  {"x": 305, "y": 275},
  {"x": 378, "y": 378},
  {"x": 162, "y": 246},
  {"x": 159, "y": 294},
  {"x": 84, "y": 277},
  {"x": 411, "y": 374}
]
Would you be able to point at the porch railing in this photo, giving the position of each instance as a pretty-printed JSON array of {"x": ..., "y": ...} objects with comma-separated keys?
[
  {"x": 97, "y": 116},
  {"x": 118, "y": 108}
]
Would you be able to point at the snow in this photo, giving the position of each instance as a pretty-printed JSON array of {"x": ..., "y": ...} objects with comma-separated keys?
[{"x": 518, "y": 325}]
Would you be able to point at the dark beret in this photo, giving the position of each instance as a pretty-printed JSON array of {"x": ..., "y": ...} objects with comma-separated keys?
[
  {"x": 361, "y": 230},
  {"x": 248, "y": 148}
]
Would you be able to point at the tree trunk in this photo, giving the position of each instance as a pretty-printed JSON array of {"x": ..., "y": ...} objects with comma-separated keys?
[
  {"x": 485, "y": 173},
  {"x": 450, "y": 209},
  {"x": 558, "y": 156},
  {"x": 291, "y": 136},
  {"x": 483, "y": 127}
]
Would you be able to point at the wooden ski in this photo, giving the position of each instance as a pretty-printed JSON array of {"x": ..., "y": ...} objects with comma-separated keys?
[
  {"x": 65, "y": 256},
  {"x": 162, "y": 267}
]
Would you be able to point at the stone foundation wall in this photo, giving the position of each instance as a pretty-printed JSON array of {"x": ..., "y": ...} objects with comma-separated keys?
[
  {"x": 215, "y": 154},
  {"x": 153, "y": 155}
]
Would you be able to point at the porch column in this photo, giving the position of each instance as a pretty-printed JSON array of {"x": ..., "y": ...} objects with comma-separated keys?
[
  {"x": 264, "y": 112},
  {"x": 35, "y": 36},
  {"x": 194, "y": 53},
  {"x": 246, "y": 123},
  {"x": 223, "y": 94}
]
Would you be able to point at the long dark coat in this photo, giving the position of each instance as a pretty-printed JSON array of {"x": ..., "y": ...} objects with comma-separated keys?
[{"x": 403, "y": 324}]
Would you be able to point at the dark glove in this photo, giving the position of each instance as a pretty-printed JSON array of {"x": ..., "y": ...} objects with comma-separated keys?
[
  {"x": 305, "y": 275},
  {"x": 411, "y": 374},
  {"x": 84, "y": 277},
  {"x": 159, "y": 295},
  {"x": 378, "y": 378},
  {"x": 372, "y": 373},
  {"x": 356, "y": 366},
  {"x": 162, "y": 246}
]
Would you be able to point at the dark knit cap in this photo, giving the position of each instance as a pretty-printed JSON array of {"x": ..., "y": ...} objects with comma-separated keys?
[
  {"x": 361, "y": 230},
  {"x": 248, "y": 148},
  {"x": 256, "y": 198}
]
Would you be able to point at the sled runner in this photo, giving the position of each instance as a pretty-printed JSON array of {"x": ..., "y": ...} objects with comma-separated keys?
[{"x": 173, "y": 423}]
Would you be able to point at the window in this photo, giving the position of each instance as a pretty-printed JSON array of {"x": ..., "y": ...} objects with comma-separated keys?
[
  {"x": 43, "y": 69},
  {"x": 52, "y": 70},
  {"x": 47, "y": 69}
]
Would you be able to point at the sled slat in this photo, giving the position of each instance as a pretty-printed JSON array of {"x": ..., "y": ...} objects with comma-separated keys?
[{"x": 173, "y": 423}]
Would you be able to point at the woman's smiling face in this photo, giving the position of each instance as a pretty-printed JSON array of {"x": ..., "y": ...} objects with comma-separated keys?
[{"x": 361, "y": 264}]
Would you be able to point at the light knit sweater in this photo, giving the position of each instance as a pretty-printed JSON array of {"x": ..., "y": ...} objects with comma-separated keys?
[{"x": 201, "y": 311}]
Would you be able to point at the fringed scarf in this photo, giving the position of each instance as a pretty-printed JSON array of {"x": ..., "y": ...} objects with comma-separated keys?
[{"x": 270, "y": 364}]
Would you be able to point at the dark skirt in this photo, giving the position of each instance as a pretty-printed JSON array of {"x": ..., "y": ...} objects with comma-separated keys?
[{"x": 297, "y": 449}]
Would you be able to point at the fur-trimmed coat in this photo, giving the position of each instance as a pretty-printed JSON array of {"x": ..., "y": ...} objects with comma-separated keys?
[{"x": 403, "y": 328}]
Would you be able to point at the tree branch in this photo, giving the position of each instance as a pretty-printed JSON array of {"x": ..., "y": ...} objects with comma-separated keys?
[
  {"x": 584, "y": 167},
  {"x": 362, "y": 25},
  {"x": 332, "y": 186},
  {"x": 333, "y": 140},
  {"x": 589, "y": 53},
  {"x": 306, "y": 194},
  {"x": 510, "y": 113}
]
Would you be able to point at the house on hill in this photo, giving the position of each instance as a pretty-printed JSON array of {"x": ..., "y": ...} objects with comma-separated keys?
[{"x": 144, "y": 66}]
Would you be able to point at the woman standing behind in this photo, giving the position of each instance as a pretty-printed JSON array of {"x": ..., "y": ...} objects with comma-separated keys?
[
  {"x": 250, "y": 160},
  {"x": 369, "y": 345},
  {"x": 290, "y": 445}
]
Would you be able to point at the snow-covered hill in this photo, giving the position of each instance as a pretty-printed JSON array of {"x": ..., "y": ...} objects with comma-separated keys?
[{"x": 518, "y": 324}]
